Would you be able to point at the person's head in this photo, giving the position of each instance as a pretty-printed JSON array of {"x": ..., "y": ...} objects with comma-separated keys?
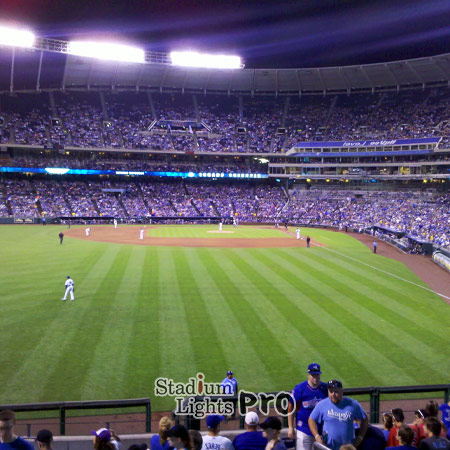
[
  {"x": 230, "y": 374},
  {"x": 432, "y": 408},
  {"x": 387, "y": 421},
  {"x": 102, "y": 439},
  {"x": 165, "y": 424},
  {"x": 421, "y": 415},
  {"x": 7, "y": 422},
  {"x": 44, "y": 439},
  {"x": 213, "y": 423},
  {"x": 251, "y": 421},
  {"x": 432, "y": 426},
  {"x": 271, "y": 428},
  {"x": 397, "y": 416},
  {"x": 405, "y": 434},
  {"x": 138, "y": 447},
  {"x": 335, "y": 391},
  {"x": 178, "y": 437},
  {"x": 314, "y": 375},
  {"x": 196, "y": 439}
]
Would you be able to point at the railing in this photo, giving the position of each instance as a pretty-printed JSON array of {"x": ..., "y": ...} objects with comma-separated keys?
[
  {"x": 62, "y": 407},
  {"x": 374, "y": 393}
]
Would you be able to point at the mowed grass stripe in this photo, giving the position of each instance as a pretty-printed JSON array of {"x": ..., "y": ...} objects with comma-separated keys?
[
  {"x": 241, "y": 299},
  {"x": 405, "y": 304},
  {"x": 343, "y": 343},
  {"x": 78, "y": 354},
  {"x": 396, "y": 314},
  {"x": 391, "y": 286},
  {"x": 225, "y": 324},
  {"x": 198, "y": 319},
  {"x": 352, "y": 314},
  {"x": 285, "y": 312},
  {"x": 177, "y": 359},
  {"x": 118, "y": 332},
  {"x": 145, "y": 345},
  {"x": 47, "y": 342}
]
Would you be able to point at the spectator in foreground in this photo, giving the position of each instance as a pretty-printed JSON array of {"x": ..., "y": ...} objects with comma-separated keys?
[
  {"x": 196, "y": 439},
  {"x": 179, "y": 438},
  {"x": 432, "y": 409},
  {"x": 347, "y": 447},
  {"x": 212, "y": 441},
  {"x": 337, "y": 414},
  {"x": 44, "y": 439},
  {"x": 406, "y": 437},
  {"x": 271, "y": 431},
  {"x": 434, "y": 441},
  {"x": 102, "y": 439},
  {"x": 8, "y": 439},
  {"x": 387, "y": 424},
  {"x": 373, "y": 440},
  {"x": 418, "y": 426},
  {"x": 398, "y": 418},
  {"x": 251, "y": 439},
  {"x": 159, "y": 441}
]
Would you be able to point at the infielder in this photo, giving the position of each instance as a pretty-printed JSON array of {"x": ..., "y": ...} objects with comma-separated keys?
[
  {"x": 297, "y": 233},
  {"x": 141, "y": 234},
  {"x": 88, "y": 231},
  {"x": 69, "y": 289}
]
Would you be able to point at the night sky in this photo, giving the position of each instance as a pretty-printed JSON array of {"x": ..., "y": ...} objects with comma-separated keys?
[{"x": 266, "y": 34}]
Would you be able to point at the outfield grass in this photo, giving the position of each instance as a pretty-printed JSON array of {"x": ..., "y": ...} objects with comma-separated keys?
[{"x": 144, "y": 312}]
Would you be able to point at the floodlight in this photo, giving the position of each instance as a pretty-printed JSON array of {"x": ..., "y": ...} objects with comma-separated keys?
[
  {"x": 194, "y": 59},
  {"x": 106, "y": 51},
  {"x": 15, "y": 37}
]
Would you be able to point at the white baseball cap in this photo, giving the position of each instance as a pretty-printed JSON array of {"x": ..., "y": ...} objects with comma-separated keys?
[{"x": 251, "y": 418}]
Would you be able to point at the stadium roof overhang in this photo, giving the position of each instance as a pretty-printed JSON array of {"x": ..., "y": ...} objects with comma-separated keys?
[{"x": 49, "y": 66}]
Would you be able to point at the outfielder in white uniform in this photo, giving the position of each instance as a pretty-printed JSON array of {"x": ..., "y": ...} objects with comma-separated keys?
[
  {"x": 69, "y": 289},
  {"x": 220, "y": 226},
  {"x": 88, "y": 231},
  {"x": 297, "y": 233},
  {"x": 115, "y": 224},
  {"x": 141, "y": 234}
]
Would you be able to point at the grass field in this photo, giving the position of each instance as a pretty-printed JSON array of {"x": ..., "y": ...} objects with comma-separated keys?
[{"x": 144, "y": 312}]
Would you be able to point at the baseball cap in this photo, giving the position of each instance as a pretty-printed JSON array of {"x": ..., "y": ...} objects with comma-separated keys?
[
  {"x": 334, "y": 384},
  {"x": 103, "y": 434},
  {"x": 214, "y": 420},
  {"x": 251, "y": 418},
  {"x": 178, "y": 431},
  {"x": 230, "y": 372},
  {"x": 271, "y": 422},
  {"x": 45, "y": 436},
  {"x": 314, "y": 368},
  {"x": 68, "y": 276}
]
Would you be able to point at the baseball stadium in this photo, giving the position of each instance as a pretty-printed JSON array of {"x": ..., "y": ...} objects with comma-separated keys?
[{"x": 163, "y": 220}]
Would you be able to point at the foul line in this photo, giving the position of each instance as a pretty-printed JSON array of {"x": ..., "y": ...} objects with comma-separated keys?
[{"x": 383, "y": 271}]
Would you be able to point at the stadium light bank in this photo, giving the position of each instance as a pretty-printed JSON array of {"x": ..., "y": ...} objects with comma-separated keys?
[
  {"x": 106, "y": 51},
  {"x": 16, "y": 37},
  {"x": 205, "y": 61}
]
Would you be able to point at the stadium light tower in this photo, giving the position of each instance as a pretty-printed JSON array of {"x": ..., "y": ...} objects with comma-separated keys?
[
  {"x": 107, "y": 51},
  {"x": 194, "y": 59},
  {"x": 16, "y": 37}
]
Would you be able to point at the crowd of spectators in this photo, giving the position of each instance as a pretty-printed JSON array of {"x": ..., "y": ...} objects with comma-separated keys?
[
  {"x": 424, "y": 216},
  {"x": 267, "y": 125}
]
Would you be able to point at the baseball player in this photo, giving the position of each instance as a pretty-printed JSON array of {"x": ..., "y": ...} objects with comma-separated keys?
[
  {"x": 141, "y": 234},
  {"x": 297, "y": 233},
  {"x": 88, "y": 231},
  {"x": 220, "y": 226},
  {"x": 115, "y": 224},
  {"x": 69, "y": 289}
]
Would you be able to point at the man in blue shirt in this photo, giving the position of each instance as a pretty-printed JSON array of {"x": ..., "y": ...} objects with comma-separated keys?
[
  {"x": 306, "y": 396},
  {"x": 230, "y": 384},
  {"x": 445, "y": 409},
  {"x": 9, "y": 440},
  {"x": 251, "y": 439},
  {"x": 336, "y": 414}
]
